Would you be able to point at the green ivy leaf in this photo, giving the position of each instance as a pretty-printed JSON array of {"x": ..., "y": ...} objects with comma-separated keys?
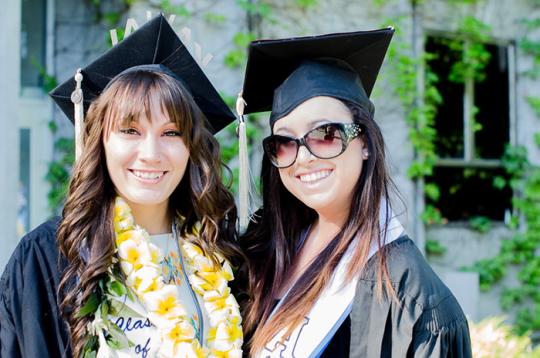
[
  {"x": 305, "y": 4},
  {"x": 216, "y": 19},
  {"x": 53, "y": 127},
  {"x": 432, "y": 216},
  {"x": 112, "y": 18},
  {"x": 434, "y": 247},
  {"x": 481, "y": 224},
  {"x": 534, "y": 102},
  {"x": 499, "y": 182},
  {"x": 180, "y": 10},
  {"x": 432, "y": 191}
]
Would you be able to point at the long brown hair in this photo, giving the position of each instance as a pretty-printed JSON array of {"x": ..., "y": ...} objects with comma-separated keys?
[
  {"x": 86, "y": 233},
  {"x": 271, "y": 243}
]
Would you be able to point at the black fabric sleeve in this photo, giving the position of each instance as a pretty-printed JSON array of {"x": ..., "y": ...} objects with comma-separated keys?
[
  {"x": 30, "y": 323},
  {"x": 9, "y": 344},
  {"x": 424, "y": 318},
  {"x": 441, "y": 332}
]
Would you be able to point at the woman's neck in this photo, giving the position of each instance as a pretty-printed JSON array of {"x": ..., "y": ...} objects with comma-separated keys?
[
  {"x": 328, "y": 225},
  {"x": 155, "y": 219},
  {"x": 321, "y": 233}
]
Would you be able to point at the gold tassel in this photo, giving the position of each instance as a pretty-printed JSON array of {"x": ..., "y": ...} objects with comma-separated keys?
[
  {"x": 244, "y": 182},
  {"x": 77, "y": 99}
]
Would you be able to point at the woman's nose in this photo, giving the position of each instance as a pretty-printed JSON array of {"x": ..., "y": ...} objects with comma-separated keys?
[
  {"x": 304, "y": 155},
  {"x": 150, "y": 149}
]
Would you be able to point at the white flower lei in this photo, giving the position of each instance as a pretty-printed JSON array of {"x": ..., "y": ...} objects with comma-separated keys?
[{"x": 140, "y": 261}]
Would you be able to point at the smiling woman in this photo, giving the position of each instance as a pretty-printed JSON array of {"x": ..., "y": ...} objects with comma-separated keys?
[
  {"x": 331, "y": 272},
  {"x": 328, "y": 184},
  {"x": 146, "y": 150},
  {"x": 138, "y": 264}
]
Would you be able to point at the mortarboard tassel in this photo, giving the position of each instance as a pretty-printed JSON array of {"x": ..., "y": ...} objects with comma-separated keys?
[
  {"x": 244, "y": 175},
  {"x": 77, "y": 99}
]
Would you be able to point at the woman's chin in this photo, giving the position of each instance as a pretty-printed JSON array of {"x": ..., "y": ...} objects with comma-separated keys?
[
  {"x": 317, "y": 202},
  {"x": 146, "y": 199}
]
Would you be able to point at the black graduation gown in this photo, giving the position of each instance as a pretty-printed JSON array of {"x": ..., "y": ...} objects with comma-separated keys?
[
  {"x": 30, "y": 324},
  {"x": 426, "y": 322}
]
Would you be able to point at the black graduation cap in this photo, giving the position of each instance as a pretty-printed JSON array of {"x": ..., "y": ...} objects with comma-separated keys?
[
  {"x": 154, "y": 43},
  {"x": 283, "y": 73}
]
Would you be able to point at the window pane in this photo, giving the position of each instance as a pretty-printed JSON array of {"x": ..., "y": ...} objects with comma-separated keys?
[
  {"x": 23, "y": 210},
  {"x": 33, "y": 32},
  {"x": 469, "y": 192},
  {"x": 449, "y": 119},
  {"x": 492, "y": 101}
]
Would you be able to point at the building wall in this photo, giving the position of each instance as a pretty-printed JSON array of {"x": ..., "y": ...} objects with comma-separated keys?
[
  {"x": 9, "y": 91},
  {"x": 22, "y": 108}
]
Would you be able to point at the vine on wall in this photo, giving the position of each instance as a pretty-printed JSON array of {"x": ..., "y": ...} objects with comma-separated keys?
[
  {"x": 522, "y": 250},
  {"x": 59, "y": 169},
  {"x": 419, "y": 116}
]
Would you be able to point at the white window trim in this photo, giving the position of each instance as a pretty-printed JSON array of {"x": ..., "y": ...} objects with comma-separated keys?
[
  {"x": 469, "y": 159},
  {"x": 34, "y": 112}
]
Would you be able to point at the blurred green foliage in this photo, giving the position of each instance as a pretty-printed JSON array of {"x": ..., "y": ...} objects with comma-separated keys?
[{"x": 434, "y": 248}]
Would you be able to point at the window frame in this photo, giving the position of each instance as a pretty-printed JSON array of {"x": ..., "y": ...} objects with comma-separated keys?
[
  {"x": 469, "y": 160},
  {"x": 34, "y": 111}
]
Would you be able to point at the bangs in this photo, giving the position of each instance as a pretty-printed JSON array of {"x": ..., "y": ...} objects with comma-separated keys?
[{"x": 147, "y": 95}]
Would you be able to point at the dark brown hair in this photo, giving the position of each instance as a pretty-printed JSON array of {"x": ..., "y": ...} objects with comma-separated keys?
[
  {"x": 86, "y": 233},
  {"x": 271, "y": 241}
]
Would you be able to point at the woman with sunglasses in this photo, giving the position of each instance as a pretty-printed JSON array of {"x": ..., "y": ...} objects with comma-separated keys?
[{"x": 331, "y": 272}]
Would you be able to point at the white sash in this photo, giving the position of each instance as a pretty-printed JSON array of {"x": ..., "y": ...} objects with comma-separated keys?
[{"x": 333, "y": 306}]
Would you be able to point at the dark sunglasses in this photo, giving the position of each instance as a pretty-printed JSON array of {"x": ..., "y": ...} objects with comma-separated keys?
[{"x": 325, "y": 142}]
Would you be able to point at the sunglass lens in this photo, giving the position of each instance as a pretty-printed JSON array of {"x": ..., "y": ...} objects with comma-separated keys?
[
  {"x": 326, "y": 141},
  {"x": 281, "y": 150}
]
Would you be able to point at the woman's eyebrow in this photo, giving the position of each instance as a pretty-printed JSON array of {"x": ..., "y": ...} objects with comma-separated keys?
[
  {"x": 170, "y": 123},
  {"x": 284, "y": 130},
  {"x": 317, "y": 122},
  {"x": 310, "y": 125}
]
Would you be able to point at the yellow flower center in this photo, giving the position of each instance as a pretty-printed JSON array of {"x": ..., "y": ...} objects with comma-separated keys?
[
  {"x": 133, "y": 257},
  {"x": 153, "y": 286},
  {"x": 166, "y": 305},
  {"x": 177, "y": 335}
]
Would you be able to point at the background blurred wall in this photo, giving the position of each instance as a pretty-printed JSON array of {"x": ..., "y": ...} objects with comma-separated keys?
[{"x": 9, "y": 88}]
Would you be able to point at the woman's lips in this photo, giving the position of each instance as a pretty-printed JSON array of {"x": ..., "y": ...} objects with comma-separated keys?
[
  {"x": 148, "y": 176},
  {"x": 315, "y": 176}
]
